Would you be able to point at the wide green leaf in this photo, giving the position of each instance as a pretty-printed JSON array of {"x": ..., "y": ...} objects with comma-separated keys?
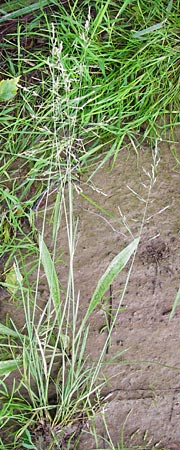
[
  {"x": 8, "y": 366},
  {"x": 11, "y": 282},
  {"x": 6, "y": 331},
  {"x": 50, "y": 273},
  {"x": 8, "y": 89},
  {"x": 116, "y": 265},
  {"x": 17, "y": 11}
]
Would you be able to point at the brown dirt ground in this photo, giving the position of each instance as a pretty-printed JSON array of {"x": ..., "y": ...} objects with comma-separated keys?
[{"x": 144, "y": 384}]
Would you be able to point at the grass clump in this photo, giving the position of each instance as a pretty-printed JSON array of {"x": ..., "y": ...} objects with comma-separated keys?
[
  {"x": 93, "y": 78},
  {"x": 50, "y": 360},
  {"x": 112, "y": 82}
]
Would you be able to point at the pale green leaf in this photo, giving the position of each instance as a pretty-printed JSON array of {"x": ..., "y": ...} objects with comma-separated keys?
[
  {"x": 8, "y": 89},
  {"x": 102, "y": 210},
  {"x": 12, "y": 283},
  {"x": 176, "y": 301},
  {"x": 116, "y": 265},
  {"x": 5, "y": 331},
  {"x": 50, "y": 273},
  {"x": 155, "y": 27},
  {"x": 29, "y": 7},
  {"x": 57, "y": 216},
  {"x": 7, "y": 367},
  {"x": 27, "y": 441}
]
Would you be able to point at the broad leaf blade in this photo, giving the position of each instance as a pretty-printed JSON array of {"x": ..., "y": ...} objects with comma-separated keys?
[
  {"x": 8, "y": 89},
  {"x": 5, "y": 331},
  {"x": 12, "y": 284},
  {"x": 50, "y": 273},
  {"x": 155, "y": 27},
  {"x": 6, "y": 367},
  {"x": 28, "y": 8},
  {"x": 116, "y": 265}
]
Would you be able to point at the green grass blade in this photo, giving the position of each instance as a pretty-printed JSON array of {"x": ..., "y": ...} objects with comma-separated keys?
[
  {"x": 116, "y": 265},
  {"x": 56, "y": 216},
  {"x": 23, "y": 11},
  {"x": 5, "y": 331},
  {"x": 7, "y": 367},
  {"x": 98, "y": 207},
  {"x": 13, "y": 6},
  {"x": 169, "y": 6},
  {"x": 176, "y": 301},
  {"x": 99, "y": 17},
  {"x": 50, "y": 273},
  {"x": 155, "y": 27}
]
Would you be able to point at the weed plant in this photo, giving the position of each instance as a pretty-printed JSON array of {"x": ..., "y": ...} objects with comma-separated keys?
[{"x": 93, "y": 79}]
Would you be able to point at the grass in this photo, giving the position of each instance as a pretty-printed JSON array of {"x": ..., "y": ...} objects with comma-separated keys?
[{"x": 92, "y": 80}]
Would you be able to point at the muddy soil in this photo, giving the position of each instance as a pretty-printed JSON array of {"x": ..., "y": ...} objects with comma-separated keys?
[{"x": 142, "y": 396}]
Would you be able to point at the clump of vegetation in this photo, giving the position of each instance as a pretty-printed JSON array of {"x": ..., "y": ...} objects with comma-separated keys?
[{"x": 91, "y": 78}]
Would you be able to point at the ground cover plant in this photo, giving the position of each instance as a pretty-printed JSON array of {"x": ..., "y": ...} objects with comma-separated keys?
[{"x": 93, "y": 78}]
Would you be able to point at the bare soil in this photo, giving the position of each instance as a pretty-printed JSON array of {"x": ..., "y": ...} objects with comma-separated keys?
[{"x": 142, "y": 396}]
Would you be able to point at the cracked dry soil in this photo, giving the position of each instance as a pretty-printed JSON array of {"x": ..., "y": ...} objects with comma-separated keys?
[{"x": 143, "y": 391}]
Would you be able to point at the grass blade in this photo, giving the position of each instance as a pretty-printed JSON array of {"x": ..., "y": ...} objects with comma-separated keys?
[
  {"x": 7, "y": 367},
  {"x": 23, "y": 11},
  {"x": 155, "y": 27},
  {"x": 50, "y": 273},
  {"x": 5, "y": 331},
  {"x": 99, "y": 17},
  {"x": 175, "y": 303},
  {"x": 116, "y": 265},
  {"x": 92, "y": 202}
]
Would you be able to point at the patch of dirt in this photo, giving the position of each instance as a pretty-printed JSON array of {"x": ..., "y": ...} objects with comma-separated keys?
[
  {"x": 65, "y": 437},
  {"x": 142, "y": 395}
]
